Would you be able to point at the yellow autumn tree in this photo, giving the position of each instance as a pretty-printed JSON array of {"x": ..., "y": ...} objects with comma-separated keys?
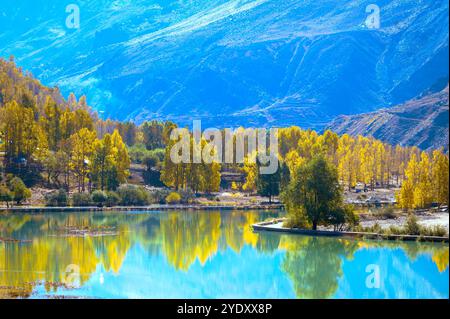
[
  {"x": 440, "y": 177},
  {"x": 121, "y": 157},
  {"x": 82, "y": 144}
]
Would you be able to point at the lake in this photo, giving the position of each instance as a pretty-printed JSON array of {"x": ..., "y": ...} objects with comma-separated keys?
[{"x": 210, "y": 254}]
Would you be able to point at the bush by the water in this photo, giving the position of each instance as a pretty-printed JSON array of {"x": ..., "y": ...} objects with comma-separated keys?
[
  {"x": 99, "y": 198},
  {"x": 133, "y": 195},
  {"x": 81, "y": 199},
  {"x": 187, "y": 197},
  {"x": 412, "y": 227},
  {"x": 173, "y": 198},
  {"x": 158, "y": 196},
  {"x": 297, "y": 219},
  {"x": 112, "y": 199},
  {"x": 18, "y": 190},
  {"x": 57, "y": 199}
]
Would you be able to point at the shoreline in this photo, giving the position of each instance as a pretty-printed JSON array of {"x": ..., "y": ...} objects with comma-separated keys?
[
  {"x": 277, "y": 226},
  {"x": 43, "y": 209}
]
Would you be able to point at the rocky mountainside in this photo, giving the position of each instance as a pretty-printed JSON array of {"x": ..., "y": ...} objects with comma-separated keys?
[
  {"x": 422, "y": 122},
  {"x": 232, "y": 62}
]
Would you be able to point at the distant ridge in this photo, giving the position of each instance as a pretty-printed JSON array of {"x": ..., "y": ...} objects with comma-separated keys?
[
  {"x": 229, "y": 63},
  {"x": 421, "y": 122}
]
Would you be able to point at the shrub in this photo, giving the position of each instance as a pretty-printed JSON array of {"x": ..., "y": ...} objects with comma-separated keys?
[
  {"x": 18, "y": 189},
  {"x": 343, "y": 218},
  {"x": 81, "y": 199},
  {"x": 132, "y": 195},
  {"x": 187, "y": 197},
  {"x": 113, "y": 199},
  {"x": 375, "y": 228},
  {"x": 412, "y": 227},
  {"x": 160, "y": 153},
  {"x": 99, "y": 198},
  {"x": 393, "y": 230},
  {"x": 173, "y": 198},
  {"x": 297, "y": 218},
  {"x": 58, "y": 198},
  {"x": 437, "y": 230},
  {"x": 137, "y": 153},
  {"x": 387, "y": 213},
  {"x": 158, "y": 196}
]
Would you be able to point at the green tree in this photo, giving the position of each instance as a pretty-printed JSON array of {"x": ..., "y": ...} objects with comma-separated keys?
[
  {"x": 315, "y": 189},
  {"x": 133, "y": 195},
  {"x": 19, "y": 191},
  {"x": 153, "y": 134},
  {"x": 268, "y": 184},
  {"x": 100, "y": 198},
  {"x": 5, "y": 195},
  {"x": 58, "y": 198},
  {"x": 103, "y": 161}
]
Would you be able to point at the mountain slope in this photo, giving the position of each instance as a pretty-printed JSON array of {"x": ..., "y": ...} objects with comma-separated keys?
[
  {"x": 232, "y": 62},
  {"x": 422, "y": 122}
]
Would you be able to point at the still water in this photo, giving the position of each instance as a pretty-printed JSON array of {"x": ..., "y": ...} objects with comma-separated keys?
[{"x": 204, "y": 255}]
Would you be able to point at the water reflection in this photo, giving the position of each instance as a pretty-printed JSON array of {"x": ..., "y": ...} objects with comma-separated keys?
[
  {"x": 187, "y": 237},
  {"x": 314, "y": 264},
  {"x": 187, "y": 247}
]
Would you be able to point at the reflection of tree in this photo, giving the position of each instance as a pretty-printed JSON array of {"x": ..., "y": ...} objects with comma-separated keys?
[
  {"x": 440, "y": 258},
  {"x": 147, "y": 234},
  {"x": 439, "y": 252},
  {"x": 44, "y": 259},
  {"x": 237, "y": 229},
  {"x": 10, "y": 223},
  {"x": 269, "y": 242},
  {"x": 250, "y": 237},
  {"x": 188, "y": 236},
  {"x": 232, "y": 226},
  {"x": 314, "y": 264}
]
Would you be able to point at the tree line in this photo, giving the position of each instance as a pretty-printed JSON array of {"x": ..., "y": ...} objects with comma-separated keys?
[
  {"x": 47, "y": 139},
  {"x": 61, "y": 143}
]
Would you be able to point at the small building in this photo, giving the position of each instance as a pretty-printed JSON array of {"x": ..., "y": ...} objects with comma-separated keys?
[{"x": 228, "y": 177}]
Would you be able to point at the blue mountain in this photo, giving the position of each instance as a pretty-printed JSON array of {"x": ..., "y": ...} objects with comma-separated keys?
[{"x": 232, "y": 62}]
